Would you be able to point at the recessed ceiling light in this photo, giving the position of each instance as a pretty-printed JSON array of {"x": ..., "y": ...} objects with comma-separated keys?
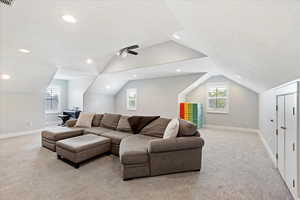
[
  {"x": 69, "y": 19},
  {"x": 24, "y": 51},
  {"x": 176, "y": 36},
  {"x": 134, "y": 75},
  {"x": 89, "y": 61},
  {"x": 178, "y": 70},
  {"x": 5, "y": 76},
  {"x": 107, "y": 87}
]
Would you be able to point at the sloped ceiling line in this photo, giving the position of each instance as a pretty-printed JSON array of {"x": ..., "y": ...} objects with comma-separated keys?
[
  {"x": 119, "y": 70},
  {"x": 258, "y": 40}
]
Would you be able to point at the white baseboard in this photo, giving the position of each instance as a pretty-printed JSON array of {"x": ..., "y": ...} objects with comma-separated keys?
[
  {"x": 272, "y": 156},
  {"x": 230, "y": 128},
  {"x": 9, "y": 135}
]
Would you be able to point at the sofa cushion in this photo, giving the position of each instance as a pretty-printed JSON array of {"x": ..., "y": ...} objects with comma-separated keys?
[
  {"x": 71, "y": 123},
  {"x": 97, "y": 120},
  {"x": 110, "y": 121},
  {"x": 172, "y": 129},
  {"x": 116, "y": 136},
  {"x": 85, "y": 120},
  {"x": 60, "y": 133},
  {"x": 123, "y": 124},
  {"x": 134, "y": 149},
  {"x": 156, "y": 128},
  {"x": 137, "y": 123},
  {"x": 186, "y": 128},
  {"x": 96, "y": 130}
]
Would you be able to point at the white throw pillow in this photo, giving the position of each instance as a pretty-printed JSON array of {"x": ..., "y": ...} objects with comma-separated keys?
[
  {"x": 172, "y": 129},
  {"x": 85, "y": 120}
]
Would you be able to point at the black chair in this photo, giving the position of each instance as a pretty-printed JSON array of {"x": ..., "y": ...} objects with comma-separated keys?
[{"x": 64, "y": 119}]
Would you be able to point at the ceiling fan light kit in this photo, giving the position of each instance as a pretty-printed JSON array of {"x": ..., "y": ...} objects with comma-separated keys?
[
  {"x": 128, "y": 50},
  {"x": 124, "y": 54},
  {"x": 7, "y": 2}
]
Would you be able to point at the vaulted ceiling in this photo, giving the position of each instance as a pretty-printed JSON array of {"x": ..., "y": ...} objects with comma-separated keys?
[
  {"x": 102, "y": 28},
  {"x": 256, "y": 40}
]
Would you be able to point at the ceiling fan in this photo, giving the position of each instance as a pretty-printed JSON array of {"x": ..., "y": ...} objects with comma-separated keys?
[
  {"x": 7, "y": 2},
  {"x": 128, "y": 50}
]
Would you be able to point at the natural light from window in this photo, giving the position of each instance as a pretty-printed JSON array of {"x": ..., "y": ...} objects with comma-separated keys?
[
  {"x": 217, "y": 98},
  {"x": 52, "y": 100}
]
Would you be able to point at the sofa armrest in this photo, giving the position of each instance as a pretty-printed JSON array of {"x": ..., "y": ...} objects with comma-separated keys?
[
  {"x": 71, "y": 122},
  {"x": 175, "y": 144}
]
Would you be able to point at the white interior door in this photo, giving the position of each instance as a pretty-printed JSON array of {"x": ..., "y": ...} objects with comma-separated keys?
[
  {"x": 281, "y": 137},
  {"x": 290, "y": 140}
]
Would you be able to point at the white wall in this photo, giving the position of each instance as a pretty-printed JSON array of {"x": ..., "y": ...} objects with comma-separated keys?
[
  {"x": 98, "y": 103},
  {"x": 157, "y": 96},
  {"x": 243, "y": 104},
  {"x": 77, "y": 88},
  {"x": 267, "y": 112},
  {"x": 21, "y": 112},
  {"x": 21, "y": 97}
]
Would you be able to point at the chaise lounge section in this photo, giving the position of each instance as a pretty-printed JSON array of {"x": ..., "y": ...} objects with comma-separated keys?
[
  {"x": 175, "y": 155},
  {"x": 141, "y": 155},
  {"x": 51, "y": 136}
]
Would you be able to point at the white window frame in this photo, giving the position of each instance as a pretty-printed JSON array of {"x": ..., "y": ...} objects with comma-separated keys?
[
  {"x": 209, "y": 86},
  {"x": 128, "y": 93},
  {"x": 57, "y": 89}
]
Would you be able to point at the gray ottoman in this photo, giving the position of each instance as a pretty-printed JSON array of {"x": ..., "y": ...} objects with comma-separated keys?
[
  {"x": 52, "y": 135},
  {"x": 82, "y": 148}
]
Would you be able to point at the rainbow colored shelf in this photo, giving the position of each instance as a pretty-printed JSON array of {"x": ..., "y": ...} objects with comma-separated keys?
[{"x": 192, "y": 112}]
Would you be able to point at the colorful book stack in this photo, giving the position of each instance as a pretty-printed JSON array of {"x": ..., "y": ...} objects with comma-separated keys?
[{"x": 192, "y": 112}]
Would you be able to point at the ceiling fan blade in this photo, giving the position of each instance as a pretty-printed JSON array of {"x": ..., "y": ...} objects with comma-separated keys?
[
  {"x": 133, "y": 47},
  {"x": 132, "y": 52}
]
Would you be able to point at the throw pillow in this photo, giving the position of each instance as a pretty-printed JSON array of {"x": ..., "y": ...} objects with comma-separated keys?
[
  {"x": 123, "y": 124},
  {"x": 137, "y": 123},
  {"x": 85, "y": 120},
  {"x": 97, "y": 120},
  {"x": 110, "y": 121},
  {"x": 156, "y": 128},
  {"x": 172, "y": 129},
  {"x": 186, "y": 128}
]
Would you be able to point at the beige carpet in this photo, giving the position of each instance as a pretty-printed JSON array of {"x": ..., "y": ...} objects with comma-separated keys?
[{"x": 235, "y": 167}]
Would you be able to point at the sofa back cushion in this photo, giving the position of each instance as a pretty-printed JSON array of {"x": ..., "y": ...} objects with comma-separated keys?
[
  {"x": 123, "y": 124},
  {"x": 110, "y": 121},
  {"x": 137, "y": 123},
  {"x": 186, "y": 128},
  {"x": 85, "y": 120},
  {"x": 156, "y": 128},
  {"x": 97, "y": 120}
]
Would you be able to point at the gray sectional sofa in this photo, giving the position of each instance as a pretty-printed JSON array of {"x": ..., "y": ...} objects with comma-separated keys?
[{"x": 143, "y": 154}]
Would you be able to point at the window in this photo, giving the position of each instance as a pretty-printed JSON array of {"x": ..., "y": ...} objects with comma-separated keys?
[
  {"x": 131, "y": 99},
  {"x": 217, "y": 98},
  {"x": 52, "y": 100}
]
